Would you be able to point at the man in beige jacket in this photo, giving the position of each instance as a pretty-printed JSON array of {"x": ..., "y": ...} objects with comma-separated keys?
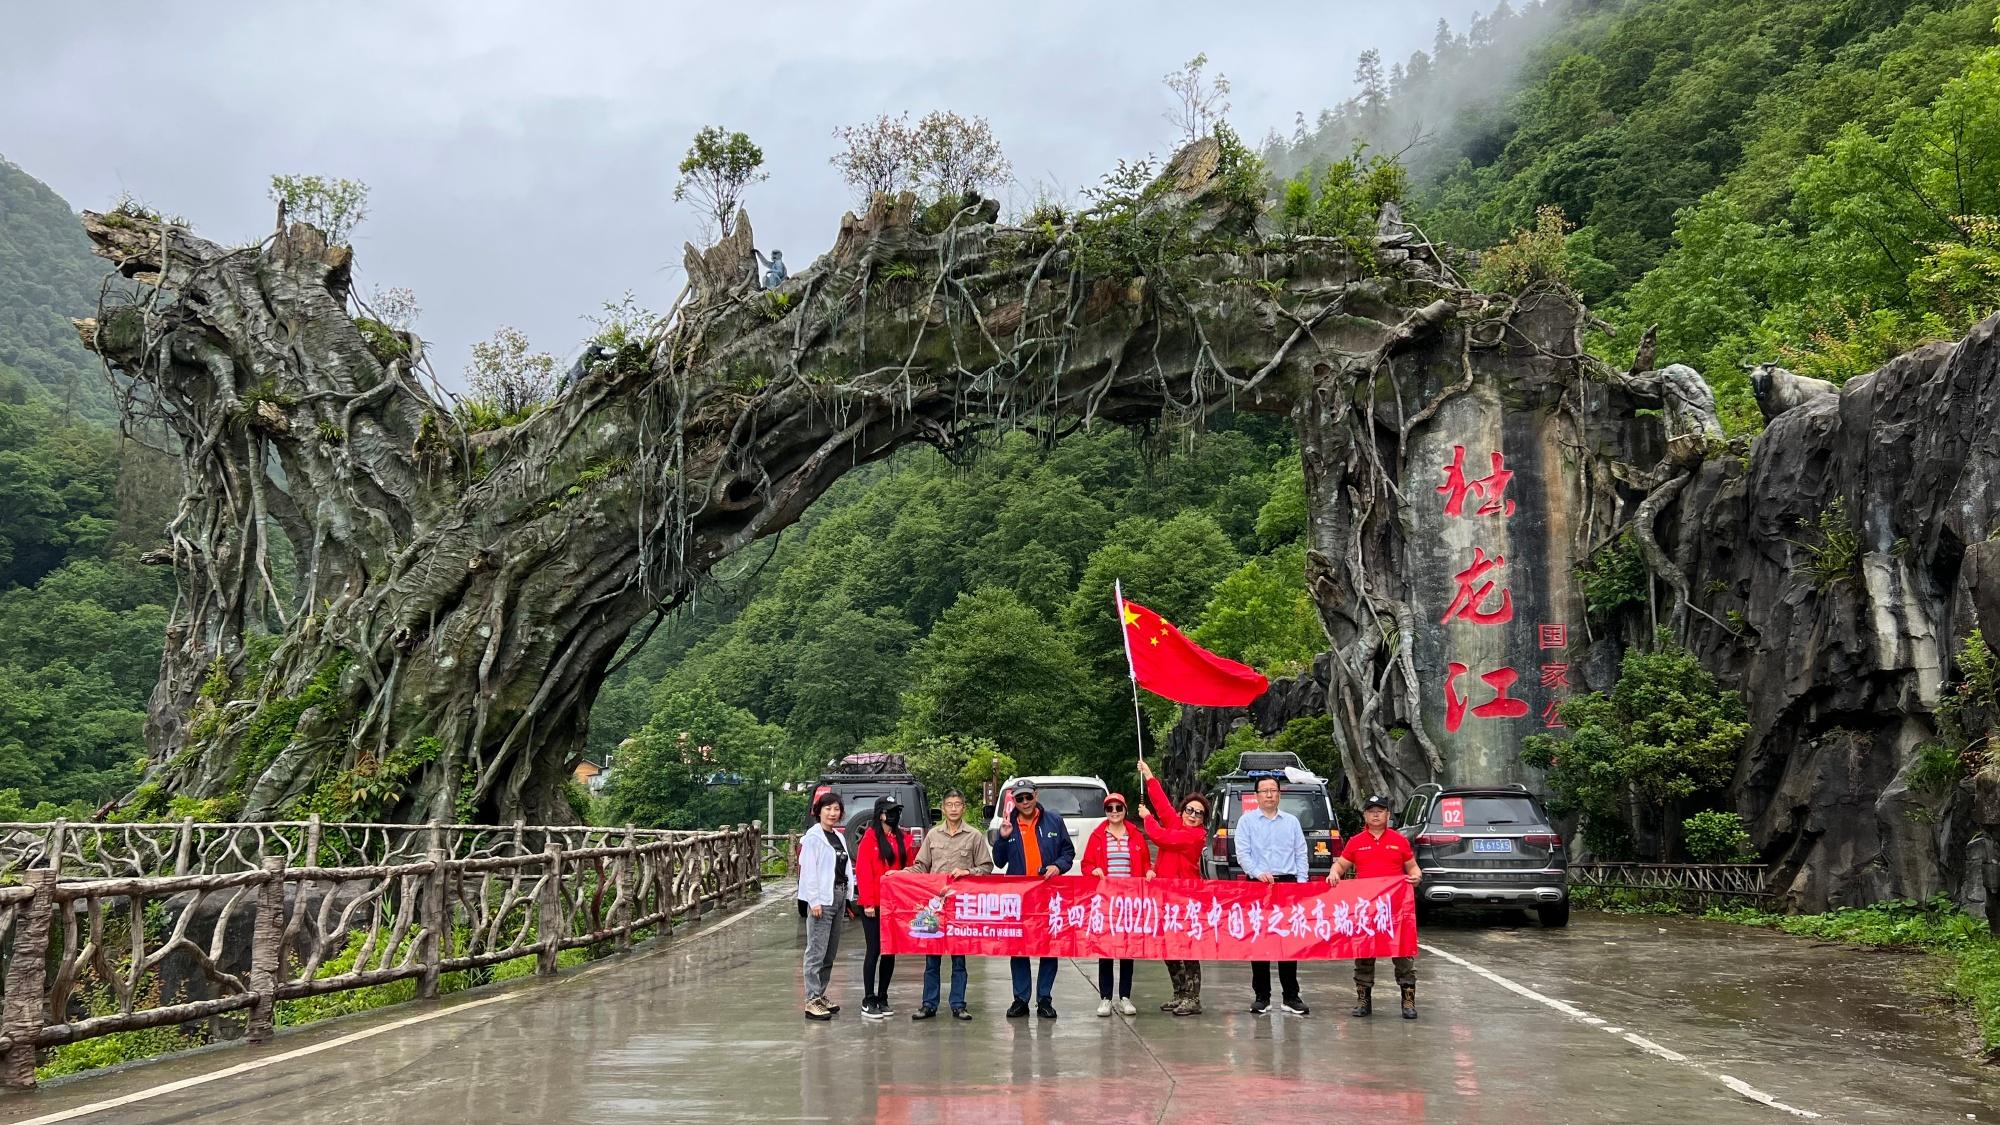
[{"x": 953, "y": 848}]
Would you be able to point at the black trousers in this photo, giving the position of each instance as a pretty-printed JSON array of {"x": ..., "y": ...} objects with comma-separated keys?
[
  {"x": 1288, "y": 978},
  {"x": 876, "y": 966},
  {"x": 1124, "y": 978},
  {"x": 1288, "y": 971}
]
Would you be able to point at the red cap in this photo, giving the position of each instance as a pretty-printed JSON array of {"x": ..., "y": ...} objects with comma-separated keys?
[{"x": 1118, "y": 797}]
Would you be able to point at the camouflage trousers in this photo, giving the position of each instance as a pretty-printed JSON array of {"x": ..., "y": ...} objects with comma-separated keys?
[
  {"x": 1186, "y": 976},
  {"x": 1364, "y": 971}
]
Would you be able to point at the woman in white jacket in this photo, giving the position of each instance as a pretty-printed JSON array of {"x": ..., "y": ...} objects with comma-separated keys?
[{"x": 826, "y": 883}]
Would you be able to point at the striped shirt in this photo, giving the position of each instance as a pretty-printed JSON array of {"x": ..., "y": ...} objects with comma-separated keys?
[{"x": 1118, "y": 859}]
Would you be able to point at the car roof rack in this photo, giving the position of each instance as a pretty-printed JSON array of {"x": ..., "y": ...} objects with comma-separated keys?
[
  {"x": 1268, "y": 761},
  {"x": 1253, "y": 775}
]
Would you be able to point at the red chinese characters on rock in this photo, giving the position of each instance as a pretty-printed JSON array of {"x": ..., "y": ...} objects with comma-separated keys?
[
  {"x": 1555, "y": 674},
  {"x": 1501, "y": 706},
  {"x": 1472, "y": 593},
  {"x": 1490, "y": 488},
  {"x": 1480, "y": 599}
]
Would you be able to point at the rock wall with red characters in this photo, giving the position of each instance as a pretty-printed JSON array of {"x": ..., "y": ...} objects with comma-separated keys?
[{"x": 1834, "y": 572}]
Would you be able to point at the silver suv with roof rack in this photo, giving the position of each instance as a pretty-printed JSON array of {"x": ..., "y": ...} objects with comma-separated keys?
[{"x": 1490, "y": 846}]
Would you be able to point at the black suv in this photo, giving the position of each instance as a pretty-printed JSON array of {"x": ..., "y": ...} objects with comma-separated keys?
[
  {"x": 1488, "y": 846},
  {"x": 1236, "y": 795},
  {"x": 859, "y": 779}
]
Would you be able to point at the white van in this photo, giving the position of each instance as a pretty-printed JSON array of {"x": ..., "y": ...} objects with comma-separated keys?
[{"x": 1079, "y": 801}]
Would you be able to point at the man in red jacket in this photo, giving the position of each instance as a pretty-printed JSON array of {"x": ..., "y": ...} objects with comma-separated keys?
[
  {"x": 1180, "y": 840},
  {"x": 1375, "y": 852}
]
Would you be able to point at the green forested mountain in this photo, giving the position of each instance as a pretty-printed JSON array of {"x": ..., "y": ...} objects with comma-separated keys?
[
  {"x": 1789, "y": 180},
  {"x": 47, "y": 275},
  {"x": 80, "y": 620}
]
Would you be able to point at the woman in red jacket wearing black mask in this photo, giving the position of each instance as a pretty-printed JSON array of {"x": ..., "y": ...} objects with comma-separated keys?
[
  {"x": 1116, "y": 850},
  {"x": 1180, "y": 838},
  {"x": 883, "y": 848}
]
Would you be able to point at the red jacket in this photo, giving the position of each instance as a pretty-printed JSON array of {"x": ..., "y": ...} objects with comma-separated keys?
[
  {"x": 869, "y": 866},
  {"x": 1097, "y": 853},
  {"x": 1180, "y": 846}
]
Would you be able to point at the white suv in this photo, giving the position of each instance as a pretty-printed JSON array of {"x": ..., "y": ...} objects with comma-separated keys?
[{"x": 1079, "y": 801}]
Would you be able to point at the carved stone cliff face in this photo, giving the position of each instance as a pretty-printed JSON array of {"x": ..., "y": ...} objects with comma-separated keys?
[
  {"x": 1842, "y": 671},
  {"x": 1841, "y": 663},
  {"x": 1504, "y": 480}
]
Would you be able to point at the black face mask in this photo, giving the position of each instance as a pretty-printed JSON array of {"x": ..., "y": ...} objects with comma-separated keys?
[{"x": 889, "y": 841}]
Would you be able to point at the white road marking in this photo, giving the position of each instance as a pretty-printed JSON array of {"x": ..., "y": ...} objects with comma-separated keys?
[
  {"x": 356, "y": 1037},
  {"x": 1736, "y": 1085}
]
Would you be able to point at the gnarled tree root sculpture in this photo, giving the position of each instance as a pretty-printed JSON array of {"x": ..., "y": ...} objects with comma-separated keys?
[{"x": 455, "y": 598}]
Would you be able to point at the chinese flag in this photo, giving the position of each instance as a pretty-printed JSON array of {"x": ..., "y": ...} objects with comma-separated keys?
[{"x": 1166, "y": 663}]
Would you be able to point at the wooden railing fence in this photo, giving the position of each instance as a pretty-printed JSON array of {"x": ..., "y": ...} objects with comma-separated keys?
[
  {"x": 780, "y": 854},
  {"x": 1697, "y": 883},
  {"x": 190, "y": 848},
  {"x": 88, "y": 956}
]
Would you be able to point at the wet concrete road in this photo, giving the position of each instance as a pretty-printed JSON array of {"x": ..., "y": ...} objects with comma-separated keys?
[{"x": 1693, "y": 1023}]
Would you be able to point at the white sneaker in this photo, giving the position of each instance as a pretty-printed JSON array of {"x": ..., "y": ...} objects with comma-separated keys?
[
  {"x": 1125, "y": 1006},
  {"x": 1104, "y": 1007}
]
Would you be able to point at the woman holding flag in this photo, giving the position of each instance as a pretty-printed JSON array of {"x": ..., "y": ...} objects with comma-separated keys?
[
  {"x": 1163, "y": 661},
  {"x": 1180, "y": 847}
]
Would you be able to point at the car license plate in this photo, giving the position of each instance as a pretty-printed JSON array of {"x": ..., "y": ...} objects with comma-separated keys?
[{"x": 1493, "y": 845}]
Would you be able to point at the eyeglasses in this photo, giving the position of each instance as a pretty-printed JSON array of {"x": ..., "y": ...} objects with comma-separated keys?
[
  {"x": 1195, "y": 811},
  {"x": 1025, "y": 799},
  {"x": 1114, "y": 807}
]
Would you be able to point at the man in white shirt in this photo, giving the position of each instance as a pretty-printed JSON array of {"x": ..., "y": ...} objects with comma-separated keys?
[{"x": 1271, "y": 848}]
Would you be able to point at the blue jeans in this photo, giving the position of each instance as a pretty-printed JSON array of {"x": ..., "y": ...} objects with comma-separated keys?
[
  {"x": 932, "y": 969},
  {"x": 1045, "y": 978}
]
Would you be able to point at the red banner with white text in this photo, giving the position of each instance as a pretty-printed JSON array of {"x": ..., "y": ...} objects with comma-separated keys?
[{"x": 1148, "y": 919}]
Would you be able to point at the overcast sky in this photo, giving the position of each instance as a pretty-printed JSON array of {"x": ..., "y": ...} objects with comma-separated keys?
[{"x": 521, "y": 155}]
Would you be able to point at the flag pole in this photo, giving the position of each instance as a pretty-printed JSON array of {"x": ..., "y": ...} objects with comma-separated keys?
[{"x": 1131, "y": 669}]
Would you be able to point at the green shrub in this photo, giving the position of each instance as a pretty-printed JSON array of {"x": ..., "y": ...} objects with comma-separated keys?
[
  {"x": 1939, "y": 767},
  {"x": 1314, "y": 738},
  {"x": 1960, "y": 749},
  {"x": 276, "y": 721},
  {"x": 1614, "y": 577},
  {"x": 1342, "y": 199},
  {"x": 1241, "y": 171},
  {"x": 1531, "y": 256},
  {"x": 112, "y": 1050},
  {"x": 1717, "y": 837},
  {"x": 1663, "y": 734},
  {"x": 382, "y": 341},
  {"x": 1837, "y": 555}
]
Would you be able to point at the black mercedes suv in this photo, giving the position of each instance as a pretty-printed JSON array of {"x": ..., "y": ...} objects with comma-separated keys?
[{"x": 1488, "y": 846}]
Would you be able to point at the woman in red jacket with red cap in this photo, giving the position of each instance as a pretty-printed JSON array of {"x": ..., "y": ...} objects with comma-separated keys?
[
  {"x": 1180, "y": 840},
  {"x": 883, "y": 848},
  {"x": 1116, "y": 851}
]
